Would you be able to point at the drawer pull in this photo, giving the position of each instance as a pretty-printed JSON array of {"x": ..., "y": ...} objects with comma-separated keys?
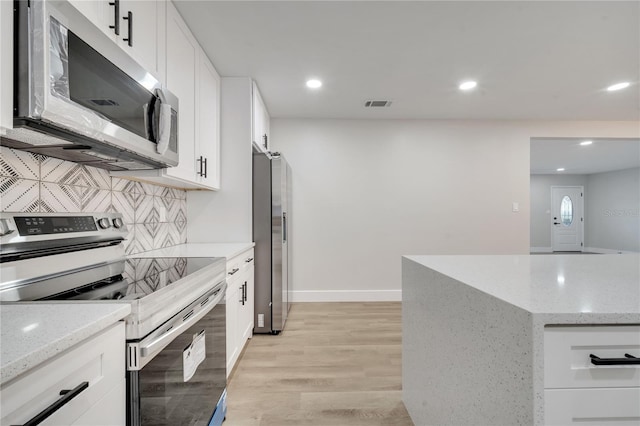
[
  {"x": 67, "y": 395},
  {"x": 233, "y": 271},
  {"x": 627, "y": 360}
]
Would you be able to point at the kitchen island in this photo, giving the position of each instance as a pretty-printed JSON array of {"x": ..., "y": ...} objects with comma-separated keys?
[{"x": 506, "y": 339}]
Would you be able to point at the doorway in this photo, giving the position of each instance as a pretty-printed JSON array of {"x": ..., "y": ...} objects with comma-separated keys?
[
  {"x": 608, "y": 172},
  {"x": 567, "y": 213}
]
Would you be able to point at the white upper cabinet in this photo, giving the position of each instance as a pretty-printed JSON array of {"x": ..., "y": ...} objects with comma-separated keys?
[
  {"x": 142, "y": 33},
  {"x": 6, "y": 66},
  {"x": 138, "y": 26},
  {"x": 261, "y": 120},
  {"x": 193, "y": 79},
  {"x": 208, "y": 134},
  {"x": 182, "y": 54}
]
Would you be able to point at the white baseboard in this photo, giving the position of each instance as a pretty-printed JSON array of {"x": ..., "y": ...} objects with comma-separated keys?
[
  {"x": 606, "y": 251},
  {"x": 540, "y": 250},
  {"x": 347, "y": 296}
]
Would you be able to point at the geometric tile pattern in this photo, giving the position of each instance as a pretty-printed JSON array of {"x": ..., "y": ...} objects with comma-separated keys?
[
  {"x": 18, "y": 164},
  {"x": 157, "y": 216},
  {"x": 19, "y": 195}
]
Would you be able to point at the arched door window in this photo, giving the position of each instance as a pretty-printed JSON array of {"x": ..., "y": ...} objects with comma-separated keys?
[{"x": 566, "y": 211}]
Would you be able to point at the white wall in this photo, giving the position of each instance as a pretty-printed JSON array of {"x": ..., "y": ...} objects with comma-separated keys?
[
  {"x": 540, "y": 197},
  {"x": 613, "y": 211},
  {"x": 224, "y": 216},
  {"x": 366, "y": 192}
]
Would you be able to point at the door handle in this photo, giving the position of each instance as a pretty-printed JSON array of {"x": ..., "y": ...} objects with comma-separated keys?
[
  {"x": 116, "y": 21},
  {"x": 129, "y": 19},
  {"x": 284, "y": 227},
  {"x": 627, "y": 360},
  {"x": 67, "y": 395}
]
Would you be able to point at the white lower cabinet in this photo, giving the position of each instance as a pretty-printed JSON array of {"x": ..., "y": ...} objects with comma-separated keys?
[
  {"x": 239, "y": 306},
  {"x": 93, "y": 370},
  {"x": 576, "y": 390},
  {"x": 605, "y": 406}
]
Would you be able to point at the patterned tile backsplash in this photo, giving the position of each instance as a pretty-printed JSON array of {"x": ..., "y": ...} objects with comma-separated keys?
[{"x": 156, "y": 216}]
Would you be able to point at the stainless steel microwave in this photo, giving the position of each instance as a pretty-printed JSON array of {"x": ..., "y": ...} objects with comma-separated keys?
[{"x": 78, "y": 96}]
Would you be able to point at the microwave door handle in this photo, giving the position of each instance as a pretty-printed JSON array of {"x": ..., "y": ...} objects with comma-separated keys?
[
  {"x": 163, "y": 135},
  {"x": 157, "y": 343}
]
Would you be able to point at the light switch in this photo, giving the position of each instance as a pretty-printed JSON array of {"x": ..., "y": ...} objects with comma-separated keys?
[{"x": 515, "y": 207}]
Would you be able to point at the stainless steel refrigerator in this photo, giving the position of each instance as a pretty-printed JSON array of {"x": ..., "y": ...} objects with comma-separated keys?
[{"x": 271, "y": 234}]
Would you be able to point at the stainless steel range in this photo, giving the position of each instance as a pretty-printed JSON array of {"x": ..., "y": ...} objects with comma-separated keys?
[{"x": 175, "y": 347}]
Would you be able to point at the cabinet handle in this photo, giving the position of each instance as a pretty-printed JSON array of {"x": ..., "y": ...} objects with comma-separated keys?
[
  {"x": 116, "y": 19},
  {"x": 67, "y": 395},
  {"x": 627, "y": 360},
  {"x": 245, "y": 291},
  {"x": 129, "y": 38},
  {"x": 264, "y": 139},
  {"x": 233, "y": 271},
  {"x": 203, "y": 164},
  {"x": 242, "y": 298},
  {"x": 249, "y": 260}
]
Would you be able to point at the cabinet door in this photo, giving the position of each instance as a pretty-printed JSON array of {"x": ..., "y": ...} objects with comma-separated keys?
[
  {"x": 98, "y": 361},
  {"x": 231, "y": 300},
  {"x": 602, "y": 407},
  {"x": 6, "y": 66},
  {"x": 208, "y": 137},
  {"x": 143, "y": 36},
  {"x": 182, "y": 51},
  {"x": 260, "y": 120},
  {"x": 100, "y": 13},
  {"x": 247, "y": 309}
]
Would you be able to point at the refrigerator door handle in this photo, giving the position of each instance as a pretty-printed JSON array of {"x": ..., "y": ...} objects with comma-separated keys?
[{"x": 284, "y": 227}]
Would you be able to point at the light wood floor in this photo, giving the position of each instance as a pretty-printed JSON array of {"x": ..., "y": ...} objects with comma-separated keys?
[{"x": 335, "y": 364}]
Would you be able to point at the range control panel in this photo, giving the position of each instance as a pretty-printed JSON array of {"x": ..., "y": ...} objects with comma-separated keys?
[{"x": 40, "y": 225}]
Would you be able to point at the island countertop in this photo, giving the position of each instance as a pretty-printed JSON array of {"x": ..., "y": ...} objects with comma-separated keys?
[
  {"x": 602, "y": 288},
  {"x": 473, "y": 329}
]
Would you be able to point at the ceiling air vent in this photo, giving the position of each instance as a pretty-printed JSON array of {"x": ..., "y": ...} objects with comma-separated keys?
[{"x": 376, "y": 104}]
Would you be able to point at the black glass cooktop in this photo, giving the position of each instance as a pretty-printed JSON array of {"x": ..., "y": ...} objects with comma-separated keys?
[{"x": 146, "y": 275}]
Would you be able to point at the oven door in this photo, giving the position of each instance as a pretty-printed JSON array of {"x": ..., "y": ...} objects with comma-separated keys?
[
  {"x": 73, "y": 76},
  {"x": 180, "y": 382}
]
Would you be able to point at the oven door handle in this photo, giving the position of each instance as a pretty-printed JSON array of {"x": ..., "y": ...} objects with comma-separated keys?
[{"x": 183, "y": 321}]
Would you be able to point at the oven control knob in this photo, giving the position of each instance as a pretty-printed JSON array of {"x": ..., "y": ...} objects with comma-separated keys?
[
  {"x": 117, "y": 223},
  {"x": 104, "y": 223}
]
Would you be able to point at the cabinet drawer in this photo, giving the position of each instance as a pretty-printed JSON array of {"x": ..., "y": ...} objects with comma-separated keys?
[
  {"x": 567, "y": 363},
  {"x": 602, "y": 407},
  {"x": 240, "y": 263},
  {"x": 98, "y": 361}
]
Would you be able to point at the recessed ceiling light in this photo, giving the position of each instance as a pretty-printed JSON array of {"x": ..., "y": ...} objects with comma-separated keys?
[
  {"x": 618, "y": 86},
  {"x": 314, "y": 84},
  {"x": 585, "y": 143},
  {"x": 467, "y": 85},
  {"x": 561, "y": 169}
]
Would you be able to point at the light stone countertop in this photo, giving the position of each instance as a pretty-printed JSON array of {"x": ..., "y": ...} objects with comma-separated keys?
[
  {"x": 226, "y": 250},
  {"x": 596, "y": 286},
  {"x": 487, "y": 315},
  {"x": 33, "y": 332}
]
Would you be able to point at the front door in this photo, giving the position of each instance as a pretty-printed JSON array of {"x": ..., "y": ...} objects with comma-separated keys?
[{"x": 567, "y": 217}]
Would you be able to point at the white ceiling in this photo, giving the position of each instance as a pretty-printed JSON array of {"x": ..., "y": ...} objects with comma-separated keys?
[
  {"x": 533, "y": 60},
  {"x": 604, "y": 155}
]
